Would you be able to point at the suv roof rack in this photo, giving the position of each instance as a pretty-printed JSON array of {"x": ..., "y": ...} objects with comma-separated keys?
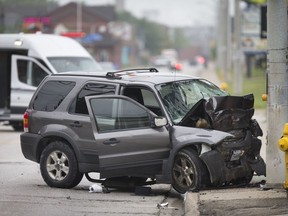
[{"x": 116, "y": 74}]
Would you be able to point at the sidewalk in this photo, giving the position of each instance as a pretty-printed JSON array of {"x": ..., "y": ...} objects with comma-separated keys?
[
  {"x": 237, "y": 201},
  {"x": 252, "y": 200}
]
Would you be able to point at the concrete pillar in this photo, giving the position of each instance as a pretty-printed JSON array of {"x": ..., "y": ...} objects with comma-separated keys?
[{"x": 277, "y": 109}]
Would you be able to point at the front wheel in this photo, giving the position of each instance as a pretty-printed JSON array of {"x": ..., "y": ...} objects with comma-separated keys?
[
  {"x": 59, "y": 167},
  {"x": 188, "y": 171}
]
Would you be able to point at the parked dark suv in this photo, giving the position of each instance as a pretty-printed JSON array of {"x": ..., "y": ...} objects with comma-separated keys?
[{"x": 134, "y": 125}]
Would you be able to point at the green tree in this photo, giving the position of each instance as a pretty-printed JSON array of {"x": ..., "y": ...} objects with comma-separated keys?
[{"x": 255, "y": 1}]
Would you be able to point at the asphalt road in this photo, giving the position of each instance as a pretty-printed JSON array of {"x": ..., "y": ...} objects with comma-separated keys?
[{"x": 23, "y": 192}]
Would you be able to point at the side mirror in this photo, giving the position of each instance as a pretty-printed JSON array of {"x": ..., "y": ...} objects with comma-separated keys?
[{"x": 159, "y": 121}]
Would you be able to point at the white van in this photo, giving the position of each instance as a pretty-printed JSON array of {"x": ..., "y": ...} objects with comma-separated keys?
[{"x": 25, "y": 59}]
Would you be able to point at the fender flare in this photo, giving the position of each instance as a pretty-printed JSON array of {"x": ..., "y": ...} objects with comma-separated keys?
[{"x": 61, "y": 132}]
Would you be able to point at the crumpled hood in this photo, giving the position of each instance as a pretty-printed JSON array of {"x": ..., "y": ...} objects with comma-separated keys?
[{"x": 222, "y": 113}]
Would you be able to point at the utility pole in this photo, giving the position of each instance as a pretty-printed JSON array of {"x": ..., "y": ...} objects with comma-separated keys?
[
  {"x": 228, "y": 43},
  {"x": 218, "y": 37},
  {"x": 238, "y": 79},
  {"x": 2, "y": 16},
  {"x": 222, "y": 40},
  {"x": 79, "y": 16},
  {"x": 277, "y": 108}
]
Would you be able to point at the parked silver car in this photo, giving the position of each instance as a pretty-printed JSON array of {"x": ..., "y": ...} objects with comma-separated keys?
[{"x": 138, "y": 124}]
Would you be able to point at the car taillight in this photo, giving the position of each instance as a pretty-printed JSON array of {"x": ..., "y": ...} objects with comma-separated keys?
[{"x": 25, "y": 121}]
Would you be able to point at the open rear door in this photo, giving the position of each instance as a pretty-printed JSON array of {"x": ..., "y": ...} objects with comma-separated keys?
[{"x": 26, "y": 74}]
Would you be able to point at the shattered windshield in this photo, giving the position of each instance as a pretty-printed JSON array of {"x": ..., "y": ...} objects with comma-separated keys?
[
  {"x": 64, "y": 64},
  {"x": 179, "y": 97}
]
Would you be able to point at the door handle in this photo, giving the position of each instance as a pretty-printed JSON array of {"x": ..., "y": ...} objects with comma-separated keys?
[
  {"x": 76, "y": 124},
  {"x": 111, "y": 141}
]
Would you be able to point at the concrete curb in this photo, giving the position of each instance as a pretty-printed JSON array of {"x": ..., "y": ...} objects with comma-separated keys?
[
  {"x": 229, "y": 201},
  {"x": 191, "y": 202}
]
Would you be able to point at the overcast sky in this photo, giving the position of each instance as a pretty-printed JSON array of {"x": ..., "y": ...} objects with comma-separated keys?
[{"x": 170, "y": 12}]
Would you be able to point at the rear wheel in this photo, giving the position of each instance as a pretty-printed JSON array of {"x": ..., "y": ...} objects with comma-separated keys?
[
  {"x": 188, "y": 172},
  {"x": 59, "y": 166}
]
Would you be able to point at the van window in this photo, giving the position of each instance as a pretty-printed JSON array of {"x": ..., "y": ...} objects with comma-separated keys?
[
  {"x": 51, "y": 94},
  {"x": 64, "y": 64},
  {"x": 30, "y": 73}
]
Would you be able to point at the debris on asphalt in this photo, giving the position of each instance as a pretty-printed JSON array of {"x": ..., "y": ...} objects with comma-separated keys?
[
  {"x": 95, "y": 188},
  {"x": 162, "y": 205}
]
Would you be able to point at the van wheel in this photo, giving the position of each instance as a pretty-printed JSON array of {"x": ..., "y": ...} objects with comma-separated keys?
[
  {"x": 59, "y": 166},
  {"x": 17, "y": 126},
  {"x": 187, "y": 172}
]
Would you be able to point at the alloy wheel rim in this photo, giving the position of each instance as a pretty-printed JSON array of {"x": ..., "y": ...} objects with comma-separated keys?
[
  {"x": 57, "y": 165},
  {"x": 183, "y": 172}
]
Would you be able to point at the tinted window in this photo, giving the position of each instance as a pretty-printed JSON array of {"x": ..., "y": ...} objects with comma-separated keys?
[
  {"x": 144, "y": 97},
  {"x": 113, "y": 114},
  {"x": 30, "y": 72},
  {"x": 52, "y": 94},
  {"x": 79, "y": 106},
  {"x": 149, "y": 98}
]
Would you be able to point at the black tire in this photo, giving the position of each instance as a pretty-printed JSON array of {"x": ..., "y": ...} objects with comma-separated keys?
[
  {"x": 188, "y": 172},
  {"x": 59, "y": 166},
  {"x": 244, "y": 180},
  {"x": 17, "y": 126}
]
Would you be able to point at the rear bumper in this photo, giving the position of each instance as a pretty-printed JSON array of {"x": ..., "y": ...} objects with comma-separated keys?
[{"x": 29, "y": 143}]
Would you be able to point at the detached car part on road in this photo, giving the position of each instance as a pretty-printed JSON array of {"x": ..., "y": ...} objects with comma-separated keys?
[{"x": 134, "y": 125}]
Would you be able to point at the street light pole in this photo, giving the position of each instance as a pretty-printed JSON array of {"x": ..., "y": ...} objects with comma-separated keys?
[
  {"x": 222, "y": 38},
  {"x": 238, "y": 79},
  {"x": 277, "y": 107},
  {"x": 79, "y": 16},
  {"x": 2, "y": 16}
]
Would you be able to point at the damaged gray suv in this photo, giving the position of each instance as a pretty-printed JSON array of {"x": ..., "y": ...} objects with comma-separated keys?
[{"x": 138, "y": 127}]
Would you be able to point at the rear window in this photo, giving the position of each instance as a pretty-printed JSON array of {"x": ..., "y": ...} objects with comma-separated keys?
[{"x": 51, "y": 94}]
